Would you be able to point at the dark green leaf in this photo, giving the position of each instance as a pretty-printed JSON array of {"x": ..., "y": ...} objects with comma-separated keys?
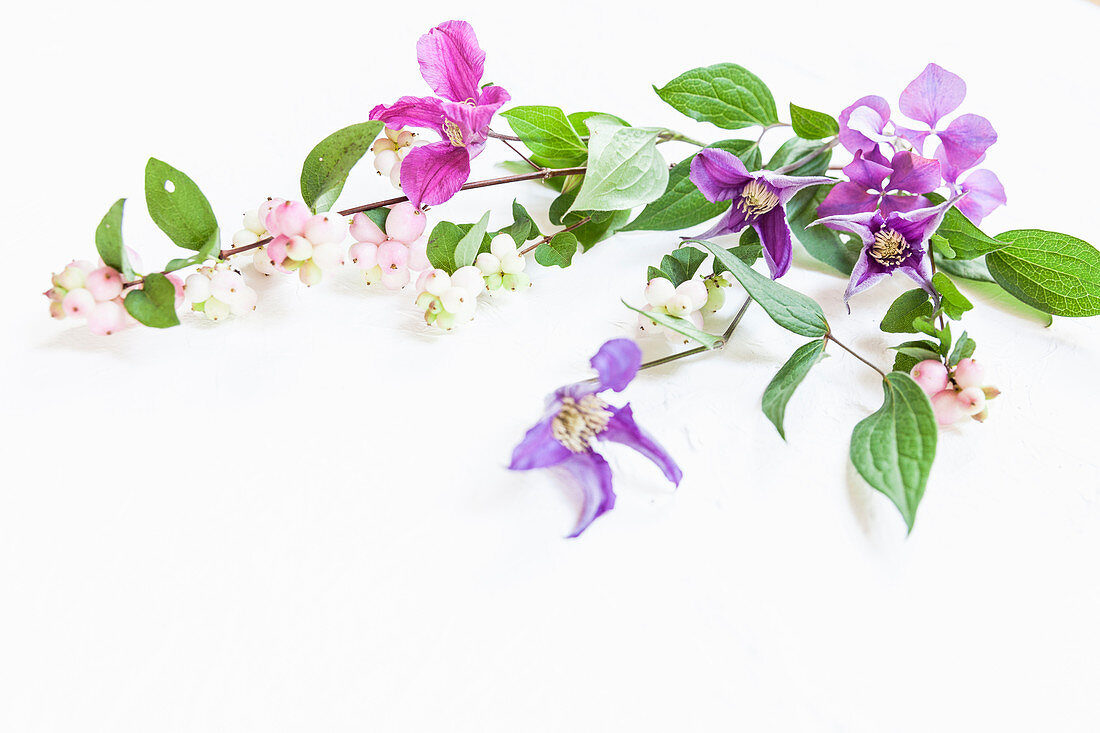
[
  {"x": 378, "y": 216},
  {"x": 523, "y": 227},
  {"x": 823, "y": 244},
  {"x": 787, "y": 379},
  {"x": 964, "y": 349},
  {"x": 154, "y": 303},
  {"x": 813, "y": 125},
  {"x": 558, "y": 251},
  {"x": 178, "y": 207},
  {"x": 108, "y": 241},
  {"x": 1053, "y": 272},
  {"x": 893, "y": 449},
  {"x": 726, "y": 95},
  {"x": 681, "y": 264},
  {"x": 679, "y": 325},
  {"x": 441, "y": 245},
  {"x": 909, "y": 306},
  {"x": 327, "y": 166},
  {"x": 547, "y": 133},
  {"x": 953, "y": 302},
  {"x": 682, "y": 205},
  {"x": 912, "y": 353},
  {"x": 210, "y": 251},
  {"x": 790, "y": 309},
  {"x": 970, "y": 269},
  {"x": 968, "y": 241}
]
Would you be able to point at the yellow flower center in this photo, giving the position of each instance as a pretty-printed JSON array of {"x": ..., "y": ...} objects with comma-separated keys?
[
  {"x": 454, "y": 134},
  {"x": 756, "y": 199},
  {"x": 889, "y": 248},
  {"x": 577, "y": 423}
]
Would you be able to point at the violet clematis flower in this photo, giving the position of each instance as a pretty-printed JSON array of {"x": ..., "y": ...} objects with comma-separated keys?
[
  {"x": 871, "y": 179},
  {"x": 984, "y": 191},
  {"x": 759, "y": 200},
  {"x": 928, "y": 98},
  {"x": 896, "y": 242},
  {"x": 452, "y": 63},
  {"x": 576, "y": 415},
  {"x": 865, "y": 124}
]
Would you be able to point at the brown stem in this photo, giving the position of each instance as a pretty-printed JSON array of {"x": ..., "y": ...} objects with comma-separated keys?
[
  {"x": 832, "y": 338},
  {"x": 548, "y": 237}
]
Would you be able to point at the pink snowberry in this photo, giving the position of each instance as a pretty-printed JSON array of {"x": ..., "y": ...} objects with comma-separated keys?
[
  {"x": 107, "y": 318},
  {"x": 288, "y": 218},
  {"x": 104, "y": 283},
  {"x": 931, "y": 376},
  {"x": 393, "y": 255},
  {"x": 969, "y": 373},
  {"x": 971, "y": 400},
  {"x": 363, "y": 229},
  {"x": 946, "y": 407},
  {"x": 78, "y": 303},
  {"x": 405, "y": 223}
]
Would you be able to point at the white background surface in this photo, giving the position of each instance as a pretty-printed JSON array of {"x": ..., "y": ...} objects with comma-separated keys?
[{"x": 300, "y": 520}]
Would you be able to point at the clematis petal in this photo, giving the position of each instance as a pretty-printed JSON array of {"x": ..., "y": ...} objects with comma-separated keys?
[
  {"x": 913, "y": 174},
  {"x": 893, "y": 202},
  {"x": 411, "y": 112},
  {"x": 966, "y": 139},
  {"x": 869, "y": 123},
  {"x": 718, "y": 174},
  {"x": 593, "y": 476},
  {"x": 863, "y": 225},
  {"x": 916, "y": 138},
  {"x": 493, "y": 95},
  {"x": 933, "y": 94},
  {"x": 865, "y": 273},
  {"x": 432, "y": 174},
  {"x": 731, "y": 222},
  {"x": 919, "y": 270},
  {"x": 451, "y": 61},
  {"x": 622, "y": 429},
  {"x": 472, "y": 121},
  {"x": 786, "y": 187},
  {"x": 539, "y": 448},
  {"x": 984, "y": 193},
  {"x": 920, "y": 224},
  {"x": 852, "y": 139},
  {"x": 847, "y": 198},
  {"x": 866, "y": 171},
  {"x": 775, "y": 236},
  {"x": 616, "y": 363}
]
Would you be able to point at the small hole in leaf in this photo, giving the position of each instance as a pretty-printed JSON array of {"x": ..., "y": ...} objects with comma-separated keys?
[
  {"x": 169, "y": 187},
  {"x": 321, "y": 159}
]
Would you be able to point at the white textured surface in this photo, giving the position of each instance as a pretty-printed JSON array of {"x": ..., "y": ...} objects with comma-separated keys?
[{"x": 299, "y": 521}]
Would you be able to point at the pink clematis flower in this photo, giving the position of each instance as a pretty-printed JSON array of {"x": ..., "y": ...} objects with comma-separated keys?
[{"x": 452, "y": 63}]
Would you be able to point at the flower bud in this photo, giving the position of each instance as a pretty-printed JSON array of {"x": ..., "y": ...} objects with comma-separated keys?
[
  {"x": 57, "y": 310},
  {"x": 930, "y": 375},
  {"x": 393, "y": 133}
]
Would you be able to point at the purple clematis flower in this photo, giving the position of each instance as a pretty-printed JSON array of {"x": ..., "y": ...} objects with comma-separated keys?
[
  {"x": 875, "y": 183},
  {"x": 452, "y": 63},
  {"x": 933, "y": 95},
  {"x": 759, "y": 200},
  {"x": 576, "y": 415},
  {"x": 984, "y": 191},
  {"x": 896, "y": 242}
]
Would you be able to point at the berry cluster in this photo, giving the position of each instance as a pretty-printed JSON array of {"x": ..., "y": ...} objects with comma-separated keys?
[
  {"x": 391, "y": 149},
  {"x": 218, "y": 291},
  {"x": 303, "y": 242},
  {"x": 955, "y": 393},
  {"x": 686, "y": 300},
  {"x": 503, "y": 265},
  {"x": 83, "y": 290},
  {"x": 449, "y": 300},
  {"x": 390, "y": 256}
]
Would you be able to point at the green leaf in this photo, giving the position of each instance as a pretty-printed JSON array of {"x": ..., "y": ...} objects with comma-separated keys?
[
  {"x": 993, "y": 294},
  {"x": 942, "y": 246},
  {"x": 823, "y": 244},
  {"x": 558, "y": 251},
  {"x": 682, "y": 205},
  {"x": 790, "y": 309},
  {"x": 726, "y": 95},
  {"x": 108, "y": 241},
  {"x": 1056, "y": 273},
  {"x": 787, "y": 379},
  {"x": 547, "y": 133},
  {"x": 909, "y": 306},
  {"x": 154, "y": 303},
  {"x": 378, "y": 216},
  {"x": 813, "y": 125},
  {"x": 970, "y": 269},
  {"x": 964, "y": 349},
  {"x": 681, "y": 264},
  {"x": 954, "y": 303},
  {"x": 515, "y": 166},
  {"x": 523, "y": 227},
  {"x": 210, "y": 251},
  {"x": 467, "y": 248},
  {"x": 327, "y": 166},
  {"x": 442, "y": 242},
  {"x": 653, "y": 272},
  {"x": 796, "y": 149},
  {"x": 679, "y": 325},
  {"x": 624, "y": 168},
  {"x": 178, "y": 206},
  {"x": 912, "y": 353},
  {"x": 968, "y": 241},
  {"x": 893, "y": 449},
  {"x": 579, "y": 121}
]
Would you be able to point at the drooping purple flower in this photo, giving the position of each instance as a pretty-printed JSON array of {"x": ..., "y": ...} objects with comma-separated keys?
[
  {"x": 875, "y": 183},
  {"x": 452, "y": 63},
  {"x": 896, "y": 242},
  {"x": 759, "y": 199},
  {"x": 933, "y": 95},
  {"x": 576, "y": 416},
  {"x": 984, "y": 191}
]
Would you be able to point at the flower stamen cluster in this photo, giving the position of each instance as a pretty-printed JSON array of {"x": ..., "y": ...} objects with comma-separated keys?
[{"x": 579, "y": 422}]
